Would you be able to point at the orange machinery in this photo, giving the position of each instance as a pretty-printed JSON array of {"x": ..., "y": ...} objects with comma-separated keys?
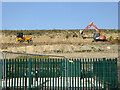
[{"x": 97, "y": 36}]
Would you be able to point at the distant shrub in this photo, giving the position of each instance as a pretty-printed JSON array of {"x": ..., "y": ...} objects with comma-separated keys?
[
  {"x": 75, "y": 35},
  {"x": 68, "y": 35},
  {"x": 30, "y": 33},
  {"x": 83, "y": 51},
  {"x": 58, "y": 51},
  {"x": 100, "y": 50}
]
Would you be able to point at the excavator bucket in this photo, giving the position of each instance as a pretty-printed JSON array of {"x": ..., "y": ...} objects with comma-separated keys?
[{"x": 81, "y": 32}]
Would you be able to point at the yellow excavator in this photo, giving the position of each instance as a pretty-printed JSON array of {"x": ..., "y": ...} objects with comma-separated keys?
[{"x": 23, "y": 38}]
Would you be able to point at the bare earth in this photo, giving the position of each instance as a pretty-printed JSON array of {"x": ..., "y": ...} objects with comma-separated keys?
[{"x": 66, "y": 43}]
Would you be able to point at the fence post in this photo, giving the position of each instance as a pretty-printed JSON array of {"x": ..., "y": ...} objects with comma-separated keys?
[
  {"x": 30, "y": 69},
  {"x": 3, "y": 71},
  {"x": 66, "y": 72},
  {"x": 116, "y": 74},
  {"x": 0, "y": 74},
  {"x": 104, "y": 72}
]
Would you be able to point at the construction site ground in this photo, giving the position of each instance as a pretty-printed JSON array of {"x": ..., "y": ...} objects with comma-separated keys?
[{"x": 60, "y": 42}]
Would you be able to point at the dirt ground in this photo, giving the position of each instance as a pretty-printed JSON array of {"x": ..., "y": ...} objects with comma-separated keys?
[{"x": 61, "y": 42}]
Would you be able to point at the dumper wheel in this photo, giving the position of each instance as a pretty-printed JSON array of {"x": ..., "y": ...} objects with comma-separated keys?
[
  {"x": 29, "y": 41},
  {"x": 21, "y": 41}
]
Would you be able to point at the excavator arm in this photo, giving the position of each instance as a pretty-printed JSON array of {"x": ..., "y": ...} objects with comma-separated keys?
[
  {"x": 96, "y": 28},
  {"x": 91, "y": 24},
  {"x": 88, "y": 26}
]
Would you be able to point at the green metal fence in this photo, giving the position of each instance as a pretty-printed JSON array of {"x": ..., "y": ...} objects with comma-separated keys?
[
  {"x": 0, "y": 74},
  {"x": 61, "y": 73}
]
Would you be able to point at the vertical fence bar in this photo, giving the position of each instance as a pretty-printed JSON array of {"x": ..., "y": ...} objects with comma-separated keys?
[
  {"x": 72, "y": 70},
  {"x": 75, "y": 73},
  {"x": 30, "y": 69},
  {"x": 91, "y": 65},
  {"x": 56, "y": 74},
  {"x": 26, "y": 74},
  {"x": 23, "y": 73},
  {"x": 80, "y": 73},
  {"x": 96, "y": 73},
  {"x": 99, "y": 72},
  {"x": 6, "y": 72},
  {"x": 20, "y": 71},
  {"x": 35, "y": 77},
  {"x": 113, "y": 73},
  {"x": 3, "y": 63},
  {"x": 85, "y": 74},
  {"x": 45, "y": 74},
  {"x": 88, "y": 74},
  {"x": 37, "y": 72},
  {"x": 110, "y": 71},
  {"x": 116, "y": 72},
  {"x": 70, "y": 73},
  {"x": 9, "y": 71},
  {"x": 1, "y": 73},
  {"x": 64, "y": 72},
  {"x": 17, "y": 72},
  {"x": 50, "y": 72},
  {"x": 67, "y": 81},
  {"x": 104, "y": 72},
  {"x": 40, "y": 73},
  {"x": 61, "y": 72},
  {"x": 12, "y": 74},
  {"x": 107, "y": 75},
  {"x": 78, "y": 70},
  {"x": 53, "y": 74}
]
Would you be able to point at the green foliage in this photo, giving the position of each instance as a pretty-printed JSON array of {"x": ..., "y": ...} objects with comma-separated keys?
[
  {"x": 83, "y": 51},
  {"x": 58, "y": 51},
  {"x": 100, "y": 50},
  {"x": 68, "y": 35},
  {"x": 42, "y": 32}
]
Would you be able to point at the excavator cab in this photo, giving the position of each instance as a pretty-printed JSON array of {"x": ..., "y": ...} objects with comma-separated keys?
[
  {"x": 20, "y": 35},
  {"x": 96, "y": 36}
]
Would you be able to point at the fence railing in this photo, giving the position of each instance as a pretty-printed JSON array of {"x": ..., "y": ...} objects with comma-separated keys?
[{"x": 58, "y": 72}]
